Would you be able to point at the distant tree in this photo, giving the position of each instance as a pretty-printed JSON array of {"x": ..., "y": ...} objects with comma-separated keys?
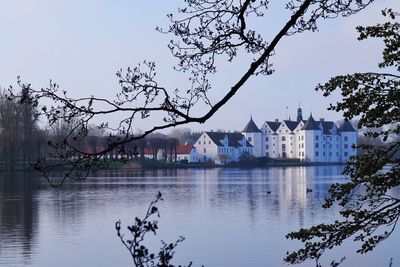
[
  {"x": 10, "y": 118},
  {"x": 205, "y": 32},
  {"x": 184, "y": 135},
  {"x": 245, "y": 157},
  {"x": 370, "y": 210},
  {"x": 21, "y": 141}
]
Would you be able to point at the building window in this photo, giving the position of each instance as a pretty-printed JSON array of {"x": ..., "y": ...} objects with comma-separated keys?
[
  {"x": 209, "y": 142},
  {"x": 204, "y": 142},
  {"x": 199, "y": 142},
  {"x": 273, "y": 144},
  {"x": 316, "y": 154},
  {"x": 337, "y": 154},
  {"x": 205, "y": 150},
  {"x": 345, "y": 138},
  {"x": 324, "y": 138},
  {"x": 330, "y": 145},
  {"x": 337, "y": 138},
  {"x": 291, "y": 138},
  {"x": 299, "y": 137},
  {"x": 346, "y": 146},
  {"x": 299, "y": 145},
  {"x": 283, "y": 138},
  {"x": 316, "y": 145},
  {"x": 274, "y": 152},
  {"x": 287, "y": 131},
  {"x": 302, "y": 145},
  {"x": 323, "y": 145},
  {"x": 316, "y": 137},
  {"x": 302, "y": 153},
  {"x": 346, "y": 154},
  {"x": 267, "y": 147},
  {"x": 299, "y": 154},
  {"x": 250, "y": 139},
  {"x": 273, "y": 138},
  {"x": 323, "y": 154},
  {"x": 283, "y": 147},
  {"x": 266, "y": 139},
  {"x": 267, "y": 154},
  {"x": 330, "y": 154}
]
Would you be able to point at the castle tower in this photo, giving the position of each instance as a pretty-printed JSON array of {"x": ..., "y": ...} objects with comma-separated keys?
[
  {"x": 254, "y": 136},
  {"x": 299, "y": 114},
  {"x": 348, "y": 138},
  {"x": 312, "y": 140}
]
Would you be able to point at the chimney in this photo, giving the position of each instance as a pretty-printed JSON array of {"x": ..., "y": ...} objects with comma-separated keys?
[{"x": 276, "y": 120}]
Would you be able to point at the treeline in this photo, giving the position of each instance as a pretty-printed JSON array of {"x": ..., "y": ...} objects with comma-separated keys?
[{"x": 24, "y": 138}]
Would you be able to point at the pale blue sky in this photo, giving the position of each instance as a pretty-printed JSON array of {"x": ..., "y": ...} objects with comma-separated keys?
[{"x": 80, "y": 44}]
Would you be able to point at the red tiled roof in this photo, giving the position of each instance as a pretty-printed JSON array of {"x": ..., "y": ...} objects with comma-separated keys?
[{"x": 184, "y": 149}]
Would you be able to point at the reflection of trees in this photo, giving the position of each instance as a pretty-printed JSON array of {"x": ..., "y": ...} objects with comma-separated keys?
[{"x": 18, "y": 213}]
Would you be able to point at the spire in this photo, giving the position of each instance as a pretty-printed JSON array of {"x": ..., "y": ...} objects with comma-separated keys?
[
  {"x": 251, "y": 127},
  {"x": 299, "y": 114}
]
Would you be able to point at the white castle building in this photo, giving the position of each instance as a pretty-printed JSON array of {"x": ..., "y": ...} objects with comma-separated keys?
[{"x": 307, "y": 140}]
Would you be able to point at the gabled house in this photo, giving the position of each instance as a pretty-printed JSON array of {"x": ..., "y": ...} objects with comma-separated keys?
[
  {"x": 222, "y": 147},
  {"x": 187, "y": 152}
]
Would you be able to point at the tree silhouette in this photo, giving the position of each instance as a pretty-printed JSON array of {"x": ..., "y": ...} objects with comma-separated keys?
[{"x": 370, "y": 209}]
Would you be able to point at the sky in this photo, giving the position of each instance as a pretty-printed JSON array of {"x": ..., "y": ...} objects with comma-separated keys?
[{"x": 81, "y": 44}]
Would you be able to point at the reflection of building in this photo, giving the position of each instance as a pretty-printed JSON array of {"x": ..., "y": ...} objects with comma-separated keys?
[
  {"x": 222, "y": 147},
  {"x": 307, "y": 140}
]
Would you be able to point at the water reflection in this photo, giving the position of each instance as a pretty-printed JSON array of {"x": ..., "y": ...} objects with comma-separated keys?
[
  {"x": 40, "y": 224},
  {"x": 18, "y": 216}
]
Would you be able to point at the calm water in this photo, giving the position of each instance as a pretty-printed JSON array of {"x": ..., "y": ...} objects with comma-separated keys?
[{"x": 226, "y": 215}]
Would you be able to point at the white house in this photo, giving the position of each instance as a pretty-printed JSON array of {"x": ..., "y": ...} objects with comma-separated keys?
[
  {"x": 308, "y": 140},
  {"x": 187, "y": 152},
  {"x": 222, "y": 147}
]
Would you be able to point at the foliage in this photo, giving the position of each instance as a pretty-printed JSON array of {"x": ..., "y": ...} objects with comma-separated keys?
[
  {"x": 245, "y": 157},
  {"x": 21, "y": 140},
  {"x": 185, "y": 135},
  {"x": 205, "y": 32},
  {"x": 140, "y": 254},
  {"x": 370, "y": 209}
]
